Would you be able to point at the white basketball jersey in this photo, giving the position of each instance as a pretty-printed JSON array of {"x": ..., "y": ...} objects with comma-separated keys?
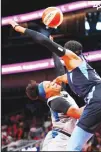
[{"x": 60, "y": 120}]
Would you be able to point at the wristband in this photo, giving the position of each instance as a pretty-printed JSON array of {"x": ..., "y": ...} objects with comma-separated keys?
[{"x": 15, "y": 26}]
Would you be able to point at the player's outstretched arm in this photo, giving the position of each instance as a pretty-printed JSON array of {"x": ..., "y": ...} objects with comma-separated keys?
[
  {"x": 42, "y": 39},
  {"x": 17, "y": 27},
  {"x": 39, "y": 38}
]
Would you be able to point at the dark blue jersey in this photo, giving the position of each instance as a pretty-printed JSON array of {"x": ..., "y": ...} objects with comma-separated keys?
[{"x": 82, "y": 79}]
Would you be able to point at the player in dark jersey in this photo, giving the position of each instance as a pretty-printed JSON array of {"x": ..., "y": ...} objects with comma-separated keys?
[{"x": 82, "y": 79}]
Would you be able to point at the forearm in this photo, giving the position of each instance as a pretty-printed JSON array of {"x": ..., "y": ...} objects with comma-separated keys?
[
  {"x": 75, "y": 112},
  {"x": 43, "y": 40},
  {"x": 36, "y": 36},
  {"x": 17, "y": 27},
  {"x": 59, "y": 67},
  {"x": 40, "y": 38},
  {"x": 60, "y": 79},
  {"x": 64, "y": 78}
]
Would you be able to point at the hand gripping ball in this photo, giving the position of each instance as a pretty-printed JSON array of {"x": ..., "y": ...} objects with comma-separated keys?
[{"x": 52, "y": 17}]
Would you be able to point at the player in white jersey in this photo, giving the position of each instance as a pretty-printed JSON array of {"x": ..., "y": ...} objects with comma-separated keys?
[{"x": 62, "y": 125}]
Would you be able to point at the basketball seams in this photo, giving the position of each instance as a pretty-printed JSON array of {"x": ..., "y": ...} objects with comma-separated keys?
[
  {"x": 48, "y": 18},
  {"x": 61, "y": 18}
]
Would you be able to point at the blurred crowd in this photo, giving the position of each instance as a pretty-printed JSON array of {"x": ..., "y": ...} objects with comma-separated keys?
[
  {"x": 94, "y": 144},
  {"x": 18, "y": 131}
]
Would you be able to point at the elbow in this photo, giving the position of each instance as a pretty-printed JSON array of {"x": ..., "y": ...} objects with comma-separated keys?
[{"x": 74, "y": 112}]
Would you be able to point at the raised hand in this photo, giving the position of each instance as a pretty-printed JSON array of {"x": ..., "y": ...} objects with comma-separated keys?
[{"x": 13, "y": 23}]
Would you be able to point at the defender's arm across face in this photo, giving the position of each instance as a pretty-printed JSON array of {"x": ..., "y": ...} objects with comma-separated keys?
[
  {"x": 60, "y": 79},
  {"x": 67, "y": 55}
]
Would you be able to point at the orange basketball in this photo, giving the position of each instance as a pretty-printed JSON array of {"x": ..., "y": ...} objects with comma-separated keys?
[{"x": 52, "y": 17}]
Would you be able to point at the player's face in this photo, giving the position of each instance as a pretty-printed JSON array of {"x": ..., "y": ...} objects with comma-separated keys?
[{"x": 50, "y": 86}]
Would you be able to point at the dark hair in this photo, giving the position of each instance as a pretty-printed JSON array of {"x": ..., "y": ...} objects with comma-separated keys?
[
  {"x": 74, "y": 46},
  {"x": 32, "y": 90}
]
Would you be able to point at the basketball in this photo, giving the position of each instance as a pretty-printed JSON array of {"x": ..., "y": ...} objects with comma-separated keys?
[{"x": 52, "y": 17}]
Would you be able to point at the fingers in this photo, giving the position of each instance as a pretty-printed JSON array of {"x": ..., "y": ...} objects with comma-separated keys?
[
  {"x": 57, "y": 80},
  {"x": 13, "y": 23}
]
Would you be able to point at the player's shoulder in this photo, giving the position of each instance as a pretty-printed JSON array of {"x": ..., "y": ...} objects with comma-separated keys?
[
  {"x": 54, "y": 98},
  {"x": 64, "y": 94},
  {"x": 68, "y": 98}
]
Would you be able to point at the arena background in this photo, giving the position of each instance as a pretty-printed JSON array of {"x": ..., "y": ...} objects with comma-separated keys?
[{"x": 16, "y": 108}]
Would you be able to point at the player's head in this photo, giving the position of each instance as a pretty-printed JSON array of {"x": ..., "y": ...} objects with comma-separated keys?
[
  {"x": 45, "y": 89},
  {"x": 32, "y": 90},
  {"x": 74, "y": 46}
]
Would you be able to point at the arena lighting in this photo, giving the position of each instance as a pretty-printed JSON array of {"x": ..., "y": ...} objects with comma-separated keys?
[
  {"x": 87, "y": 27},
  {"x": 43, "y": 64},
  {"x": 98, "y": 26},
  {"x": 37, "y": 14},
  {"x": 93, "y": 22}
]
